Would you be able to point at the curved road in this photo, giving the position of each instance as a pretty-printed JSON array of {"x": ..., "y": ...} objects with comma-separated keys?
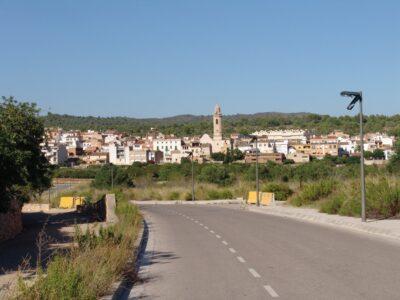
[{"x": 214, "y": 252}]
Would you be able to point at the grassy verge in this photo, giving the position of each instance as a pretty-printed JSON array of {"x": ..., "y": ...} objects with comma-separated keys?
[{"x": 87, "y": 270}]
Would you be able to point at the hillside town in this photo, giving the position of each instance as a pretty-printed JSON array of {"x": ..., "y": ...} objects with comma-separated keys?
[{"x": 294, "y": 146}]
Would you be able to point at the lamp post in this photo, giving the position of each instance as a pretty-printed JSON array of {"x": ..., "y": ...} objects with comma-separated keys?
[{"x": 357, "y": 97}]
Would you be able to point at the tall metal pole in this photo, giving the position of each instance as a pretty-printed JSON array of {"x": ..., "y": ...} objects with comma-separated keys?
[
  {"x": 112, "y": 178},
  {"x": 257, "y": 179},
  {"x": 193, "y": 198},
  {"x": 363, "y": 215}
]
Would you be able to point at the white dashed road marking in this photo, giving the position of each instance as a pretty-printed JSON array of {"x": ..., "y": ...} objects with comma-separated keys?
[
  {"x": 271, "y": 291},
  {"x": 254, "y": 273},
  {"x": 241, "y": 259}
]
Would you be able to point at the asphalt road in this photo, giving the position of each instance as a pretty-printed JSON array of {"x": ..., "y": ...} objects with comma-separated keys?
[{"x": 213, "y": 252}]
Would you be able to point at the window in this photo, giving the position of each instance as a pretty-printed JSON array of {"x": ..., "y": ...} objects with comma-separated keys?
[{"x": 216, "y": 121}]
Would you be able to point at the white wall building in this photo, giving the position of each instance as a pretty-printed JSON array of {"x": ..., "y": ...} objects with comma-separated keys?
[
  {"x": 167, "y": 145},
  {"x": 55, "y": 153}
]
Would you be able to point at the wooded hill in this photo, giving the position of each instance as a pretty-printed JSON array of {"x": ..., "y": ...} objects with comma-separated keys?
[{"x": 186, "y": 125}]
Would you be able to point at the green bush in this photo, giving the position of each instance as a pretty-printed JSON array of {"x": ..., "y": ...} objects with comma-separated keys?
[
  {"x": 383, "y": 198},
  {"x": 332, "y": 205},
  {"x": 188, "y": 196},
  {"x": 217, "y": 174},
  {"x": 219, "y": 194},
  {"x": 313, "y": 192},
  {"x": 174, "y": 195},
  {"x": 282, "y": 191}
]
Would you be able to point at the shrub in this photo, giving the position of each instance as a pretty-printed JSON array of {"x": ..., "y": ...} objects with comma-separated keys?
[
  {"x": 313, "y": 192},
  {"x": 217, "y": 174},
  {"x": 188, "y": 196},
  {"x": 174, "y": 195},
  {"x": 219, "y": 194},
  {"x": 332, "y": 205},
  {"x": 281, "y": 190}
]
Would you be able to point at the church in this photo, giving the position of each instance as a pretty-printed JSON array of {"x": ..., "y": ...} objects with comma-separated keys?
[{"x": 218, "y": 144}]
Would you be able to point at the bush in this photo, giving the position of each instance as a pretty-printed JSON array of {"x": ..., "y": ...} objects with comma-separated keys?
[
  {"x": 188, "y": 196},
  {"x": 313, "y": 192},
  {"x": 332, "y": 205},
  {"x": 219, "y": 194},
  {"x": 174, "y": 195},
  {"x": 217, "y": 174},
  {"x": 282, "y": 191}
]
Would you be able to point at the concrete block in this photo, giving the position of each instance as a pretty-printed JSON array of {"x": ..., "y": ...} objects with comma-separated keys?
[{"x": 111, "y": 217}]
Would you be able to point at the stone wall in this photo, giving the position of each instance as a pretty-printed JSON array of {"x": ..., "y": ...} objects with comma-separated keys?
[{"x": 11, "y": 222}]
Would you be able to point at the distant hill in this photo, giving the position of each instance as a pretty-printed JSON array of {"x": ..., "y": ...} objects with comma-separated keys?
[{"x": 184, "y": 125}]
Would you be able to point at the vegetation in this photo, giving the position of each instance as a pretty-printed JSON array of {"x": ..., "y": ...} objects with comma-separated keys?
[
  {"x": 282, "y": 191},
  {"x": 24, "y": 170},
  {"x": 196, "y": 125},
  {"x": 383, "y": 198},
  {"x": 313, "y": 192},
  {"x": 88, "y": 268}
]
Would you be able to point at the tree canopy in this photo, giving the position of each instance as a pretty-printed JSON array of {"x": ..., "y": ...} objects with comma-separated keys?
[
  {"x": 23, "y": 168},
  {"x": 187, "y": 125}
]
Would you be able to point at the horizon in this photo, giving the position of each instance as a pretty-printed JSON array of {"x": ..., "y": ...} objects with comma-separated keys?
[
  {"x": 156, "y": 59},
  {"x": 210, "y": 115}
]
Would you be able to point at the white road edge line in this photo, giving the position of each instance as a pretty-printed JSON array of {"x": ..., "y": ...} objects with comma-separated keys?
[
  {"x": 241, "y": 259},
  {"x": 205, "y": 227},
  {"x": 212, "y": 231},
  {"x": 232, "y": 250},
  {"x": 254, "y": 273},
  {"x": 225, "y": 243},
  {"x": 271, "y": 291},
  {"x": 218, "y": 236}
]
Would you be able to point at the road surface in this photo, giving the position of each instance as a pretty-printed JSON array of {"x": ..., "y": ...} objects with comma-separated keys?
[{"x": 214, "y": 252}]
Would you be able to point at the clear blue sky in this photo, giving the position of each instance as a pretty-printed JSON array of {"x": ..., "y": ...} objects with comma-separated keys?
[{"x": 153, "y": 58}]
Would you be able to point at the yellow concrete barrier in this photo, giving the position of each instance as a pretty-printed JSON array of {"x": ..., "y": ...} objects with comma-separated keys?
[
  {"x": 71, "y": 202},
  {"x": 265, "y": 198}
]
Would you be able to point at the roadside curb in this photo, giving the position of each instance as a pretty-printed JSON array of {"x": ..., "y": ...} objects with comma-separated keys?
[
  {"x": 122, "y": 288},
  {"x": 325, "y": 219},
  {"x": 185, "y": 202}
]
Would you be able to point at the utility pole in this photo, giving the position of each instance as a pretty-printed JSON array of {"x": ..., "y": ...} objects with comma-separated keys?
[
  {"x": 193, "y": 198},
  {"x": 357, "y": 97},
  {"x": 112, "y": 177},
  {"x": 257, "y": 179}
]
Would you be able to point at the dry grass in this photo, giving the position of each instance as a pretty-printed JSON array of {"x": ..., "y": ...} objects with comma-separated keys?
[{"x": 178, "y": 190}]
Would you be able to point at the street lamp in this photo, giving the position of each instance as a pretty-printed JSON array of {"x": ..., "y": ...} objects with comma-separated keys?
[{"x": 357, "y": 97}]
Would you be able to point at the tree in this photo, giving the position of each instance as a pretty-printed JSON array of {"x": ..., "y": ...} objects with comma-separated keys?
[
  {"x": 378, "y": 154},
  {"x": 24, "y": 169},
  {"x": 394, "y": 163}
]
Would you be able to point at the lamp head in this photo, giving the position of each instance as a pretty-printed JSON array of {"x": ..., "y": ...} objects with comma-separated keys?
[{"x": 357, "y": 96}]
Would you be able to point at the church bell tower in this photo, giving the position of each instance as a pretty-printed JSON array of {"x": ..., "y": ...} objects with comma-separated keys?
[{"x": 217, "y": 118}]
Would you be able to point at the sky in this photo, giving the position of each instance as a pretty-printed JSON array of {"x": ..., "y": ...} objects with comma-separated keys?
[{"x": 157, "y": 58}]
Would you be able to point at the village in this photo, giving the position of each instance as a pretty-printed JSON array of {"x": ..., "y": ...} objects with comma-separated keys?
[{"x": 295, "y": 146}]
